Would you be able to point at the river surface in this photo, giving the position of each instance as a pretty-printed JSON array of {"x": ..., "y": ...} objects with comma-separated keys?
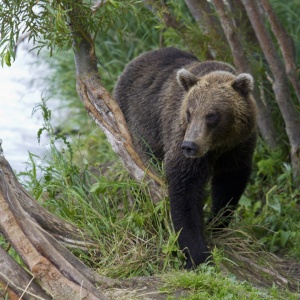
[{"x": 20, "y": 91}]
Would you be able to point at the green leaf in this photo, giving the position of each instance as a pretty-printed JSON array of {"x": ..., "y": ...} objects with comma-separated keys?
[
  {"x": 284, "y": 237},
  {"x": 114, "y": 3},
  {"x": 50, "y": 9},
  {"x": 94, "y": 188},
  {"x": 245, "y": 202},
  {"x": 274, "y": 203},
  {"x": 7, "y": 58}
]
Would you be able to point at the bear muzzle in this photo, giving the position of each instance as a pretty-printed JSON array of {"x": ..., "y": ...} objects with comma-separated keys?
[{"x": 190, "y": 149}]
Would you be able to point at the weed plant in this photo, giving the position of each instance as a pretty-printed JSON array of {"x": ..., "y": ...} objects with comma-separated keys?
[
  {"x": 271, "y": 204},
  {"x": 134, "y": 235}
]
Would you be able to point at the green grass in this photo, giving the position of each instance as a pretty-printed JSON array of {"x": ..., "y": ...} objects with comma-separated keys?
[
  {"x": 135, "y": 236},
  {"x": 208, "y": 283}
]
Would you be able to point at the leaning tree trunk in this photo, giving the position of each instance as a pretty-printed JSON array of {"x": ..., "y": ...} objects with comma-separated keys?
[
  {"x": 35, "y": 234},
  {"x": 280, "y": 85},
  {"x": 105, "y": 111}
]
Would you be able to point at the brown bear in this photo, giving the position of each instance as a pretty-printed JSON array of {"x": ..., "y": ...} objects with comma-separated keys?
[{"x": 199, "y": 118}]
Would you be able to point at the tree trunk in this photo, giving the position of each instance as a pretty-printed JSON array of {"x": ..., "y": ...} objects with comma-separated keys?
[
  {"x": 58, "y": 271},
  {"x": 207, "y": 21},
  {"x": 286, "y": 45},
  {"x": 264, "y": 119},
  {"x": 107, "y": 114},
  {"x": 17, "y": 280},
  {"x": 280, "y": 85},
  {"x": 205, "y": 17}
]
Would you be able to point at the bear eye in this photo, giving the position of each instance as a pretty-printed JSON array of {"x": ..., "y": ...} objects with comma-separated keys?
[
  {"x": 212, "y": 118},
  {"x": 188, "y": 116}
]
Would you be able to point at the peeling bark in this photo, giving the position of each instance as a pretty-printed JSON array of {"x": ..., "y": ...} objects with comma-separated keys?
[
  {"x": 16, "y": 281},
  {"x": 107, "y": 114}
]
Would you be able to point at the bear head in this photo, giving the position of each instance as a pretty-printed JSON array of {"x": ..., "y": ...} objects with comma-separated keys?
[{"x": 217, "y": 112}]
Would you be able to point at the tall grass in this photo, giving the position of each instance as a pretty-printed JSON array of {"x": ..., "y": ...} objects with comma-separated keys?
[{"x": 134, "y": 235}]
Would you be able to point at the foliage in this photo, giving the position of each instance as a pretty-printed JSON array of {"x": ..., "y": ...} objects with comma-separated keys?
[
  {"x": 46, "y": 22},
  {"x": 272, "y": 202}
]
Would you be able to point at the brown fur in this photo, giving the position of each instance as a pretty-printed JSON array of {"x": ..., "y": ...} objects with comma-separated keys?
[
  {"x": 199, "y": 119},
  {"x": 214, "y": 93}
]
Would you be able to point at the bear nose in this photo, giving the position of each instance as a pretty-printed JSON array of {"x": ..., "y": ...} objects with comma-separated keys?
[{"x": 189, "y": 148}]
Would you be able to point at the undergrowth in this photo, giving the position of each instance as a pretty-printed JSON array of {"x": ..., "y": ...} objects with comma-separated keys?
[
  {"x": 135, "y": 236},
  {"x": 271, "y": 204}
]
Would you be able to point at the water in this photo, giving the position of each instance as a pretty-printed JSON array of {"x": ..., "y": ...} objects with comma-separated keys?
[{"x": 18, "y": 128}]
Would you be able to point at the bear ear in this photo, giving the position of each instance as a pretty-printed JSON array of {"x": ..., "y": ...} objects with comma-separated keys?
[
  {"x": 243, "y": 84},
  {"x": 186, "y": 79}
]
